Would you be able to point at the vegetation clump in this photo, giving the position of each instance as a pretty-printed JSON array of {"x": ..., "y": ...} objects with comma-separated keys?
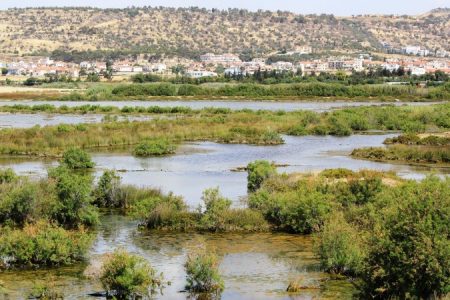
[
  {"x": 390, "y": 234},
  {"x": 76, "y": 158},
  {"x": 74, "y": 205},
  {"x": 171, "y": 213},
  {"x": 414, "y": 139},
  {"x": 202, "y": 271},
  {"x": 409, "y": 242},
  {"x": 43, "y": 222},
  {"x": 339, "y": 246},
  {"x": 410, "y": 154},
  {"x": 107, "y": 193},
  {"x": 42, "y": 244},
  {"x": 154, "y": 148},
  {"x": 246, "y": 127},
  {"x": 127, "y": 276},
  {"x": 257, "y": 172}
]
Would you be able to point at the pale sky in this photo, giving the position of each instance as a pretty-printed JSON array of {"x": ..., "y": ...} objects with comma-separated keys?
[{"x": 337, "y": 7}]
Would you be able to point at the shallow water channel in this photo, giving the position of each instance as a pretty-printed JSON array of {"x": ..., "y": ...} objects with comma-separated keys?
[
  {"x": 254, "y": 266},
  {"x": 234, "y": 105}
]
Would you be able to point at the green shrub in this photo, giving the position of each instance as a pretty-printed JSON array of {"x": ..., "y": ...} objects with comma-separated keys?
[
  {"x": 76, "y": 158},
  {"x": 339, "y": 127},
  {"x": 320, "y": 130},
  {"x": 18, "y": 203},
  {"x": 300, "y": 210},
  {"x": 257, "y": 172},
  {"x": 215, "y": 206},
  {"x": 298, "y": 130},
  {"x": 42, "y": 244},
  {"x": 202, "y": 271},
  {"x": 107, "y": 191},
  {"x": 7, "y": 176},
  {"x": 364, "y": 190},
  {"x": 411, "y": 154},
  {"x": 126, "y": 276},
  {"x": 409, "y": 246},
  {"x": 154, "y": 148},
  {"x": 339, "y": 246},
  {"x": 166, "y": 213},
  {"x": 74, "y": 206},
  {"x": 359, "y": 124},
  {"x": 271, "y": 138}
]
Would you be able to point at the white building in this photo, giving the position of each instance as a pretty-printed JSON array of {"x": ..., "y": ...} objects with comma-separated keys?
[
  {"x": 85, "y": 65},
  {"x": 415, "y": 50},
  {"x": 391, "y": 67},
  {"x": 418, "y": 71},
  {"x": 283, "y": 66},
  {"x": 226, "y": 58},
  {"x": 159, "y": 68},
  {"x": 200, "y": 74}
]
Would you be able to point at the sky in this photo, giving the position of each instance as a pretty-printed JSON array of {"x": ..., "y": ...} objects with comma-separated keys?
[{"x": 337, "y": 7}]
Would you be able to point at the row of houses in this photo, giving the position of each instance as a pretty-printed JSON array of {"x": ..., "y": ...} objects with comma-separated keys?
[{"x": 211, "y": 65}]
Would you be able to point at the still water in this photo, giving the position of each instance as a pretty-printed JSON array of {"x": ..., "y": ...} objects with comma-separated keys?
[
  {"x": 199, "y": 166},
  {"x": 234, "y": 105},
  {"x": 27, "y": 120},
  {"x": 253, "y": 266}
]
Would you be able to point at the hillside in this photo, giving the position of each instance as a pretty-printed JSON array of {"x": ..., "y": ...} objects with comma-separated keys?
[{"x": 193, "y": 31}]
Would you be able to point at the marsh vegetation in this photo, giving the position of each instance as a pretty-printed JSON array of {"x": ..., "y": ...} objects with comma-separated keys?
[{"x": 245, "y": 127}]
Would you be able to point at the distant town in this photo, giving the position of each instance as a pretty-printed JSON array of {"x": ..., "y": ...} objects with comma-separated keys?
[{"x": 413, "y": 60}]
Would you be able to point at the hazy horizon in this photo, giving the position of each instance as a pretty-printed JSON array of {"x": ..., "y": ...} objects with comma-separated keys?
[{"x": 343, "y": 8}]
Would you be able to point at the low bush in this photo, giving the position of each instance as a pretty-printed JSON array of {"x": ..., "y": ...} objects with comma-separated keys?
[
  {"x": 257, "y": 172},
  {"x": 42, "y": 244},
  {"x": 202, "y": 271},
  {"x": 154, "y": 148},
  {"x": 74, "y": 198},
  {"x": 408, "y": 245},
  {"x": 411, "y": 154},
  {"x": 19, "y": 203},
  {"x": 171, "y": 213},
  {"x": 126, "y": 276},
  {"x": 76, "y": 158},
  {"x": 107, "y": 193},
  {"x": 302, "y": 209},
  {"x": 339, "y": 246}
]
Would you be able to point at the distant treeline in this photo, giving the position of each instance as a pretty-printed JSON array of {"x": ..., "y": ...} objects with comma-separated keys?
[
  {"x": 256, "y": 91},
  {"x": 376, "y": 76}
]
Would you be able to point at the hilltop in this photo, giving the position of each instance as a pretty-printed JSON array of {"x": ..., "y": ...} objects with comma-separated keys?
[{"x": 191, "y": 31}]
